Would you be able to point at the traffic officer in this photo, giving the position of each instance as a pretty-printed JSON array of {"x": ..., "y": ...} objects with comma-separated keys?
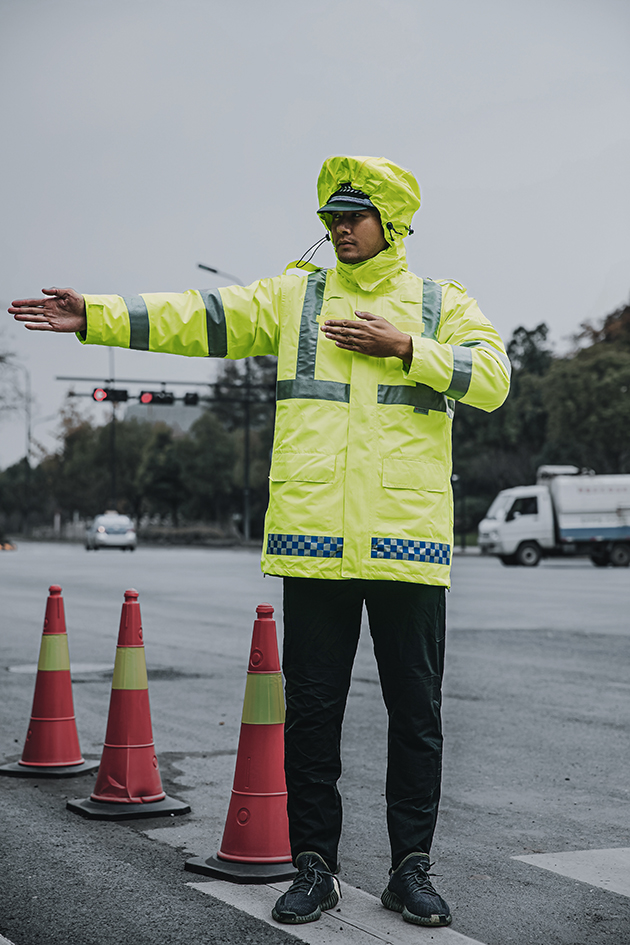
[{"x": 371, "y": 360}]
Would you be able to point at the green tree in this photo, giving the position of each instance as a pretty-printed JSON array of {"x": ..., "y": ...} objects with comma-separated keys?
[
  {"x": 493, "y": 451},
  {"x": 587, "y": 398},
  {"x": 207, "y": 460},
  {"x": 160, "y": 475}
]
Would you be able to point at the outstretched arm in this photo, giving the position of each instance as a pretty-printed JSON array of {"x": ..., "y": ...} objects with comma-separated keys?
[{"x": 61, "y": 310}]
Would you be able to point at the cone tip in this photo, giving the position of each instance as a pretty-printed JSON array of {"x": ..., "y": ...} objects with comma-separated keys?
[
  {"x": 54, "y": 590},
  {"x": 131, "y": 594},
  {"x": 264, "y": 610}
]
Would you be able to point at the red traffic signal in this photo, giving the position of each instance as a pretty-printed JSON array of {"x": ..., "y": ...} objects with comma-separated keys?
[
  {"x": 99, "y": 394},
  {"x": 156, "y": 397}
]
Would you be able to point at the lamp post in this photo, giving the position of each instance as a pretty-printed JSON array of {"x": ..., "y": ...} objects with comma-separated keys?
[{"x": 247, "y": 420}]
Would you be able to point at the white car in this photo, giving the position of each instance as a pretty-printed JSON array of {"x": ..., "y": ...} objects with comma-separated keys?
[{"x": 111, "y": 530}]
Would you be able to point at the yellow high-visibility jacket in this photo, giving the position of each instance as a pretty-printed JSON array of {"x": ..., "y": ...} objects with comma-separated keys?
[{"x": 361, "y": 464}]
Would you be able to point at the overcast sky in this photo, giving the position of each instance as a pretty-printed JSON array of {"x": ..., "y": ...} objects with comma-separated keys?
[{"x": 144, "y": 136}]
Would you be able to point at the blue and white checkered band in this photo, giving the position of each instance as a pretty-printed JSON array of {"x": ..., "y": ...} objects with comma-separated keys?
[
  {"x": 305, "y": 546},
  {"x": 408, "y": 549}
]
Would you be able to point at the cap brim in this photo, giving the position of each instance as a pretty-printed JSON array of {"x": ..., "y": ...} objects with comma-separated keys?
[{"x": 338, "y": 206}]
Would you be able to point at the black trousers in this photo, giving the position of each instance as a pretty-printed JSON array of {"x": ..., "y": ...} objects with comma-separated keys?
[{"x": 322, "y": 621}]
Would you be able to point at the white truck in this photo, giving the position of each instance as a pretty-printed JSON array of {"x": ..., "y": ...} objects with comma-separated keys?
[{"x": 567, "y": 512}]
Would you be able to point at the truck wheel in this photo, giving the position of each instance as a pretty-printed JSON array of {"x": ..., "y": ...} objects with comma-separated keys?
[
  {"x": 600, "y": 559},
  {"x": 508, "y": 560},
  {"x": 528, "y": 554},
  {"x": 620, "y": 556}
]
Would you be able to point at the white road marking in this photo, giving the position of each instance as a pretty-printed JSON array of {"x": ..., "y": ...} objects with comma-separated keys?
[
  {"x": 607, "y": 869},
  {"x": 359, "y": 919},
  {"x": 5, "y": 941}
]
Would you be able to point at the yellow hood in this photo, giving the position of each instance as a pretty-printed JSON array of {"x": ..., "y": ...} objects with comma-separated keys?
[
  {"x": 395, "y": 194},
  {"x": 393, "y": 190}
]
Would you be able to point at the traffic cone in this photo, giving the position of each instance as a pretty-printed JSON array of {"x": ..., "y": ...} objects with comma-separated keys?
[
  {"x": 255, "y": 846},
  {"x": 129, "y": 784},
  {"x": 52, "y": 748}
]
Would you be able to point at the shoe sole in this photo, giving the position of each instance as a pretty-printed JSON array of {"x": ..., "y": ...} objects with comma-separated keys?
[
  {"x": 290, "y": 918},
  {"x": 391, "y": 901}
]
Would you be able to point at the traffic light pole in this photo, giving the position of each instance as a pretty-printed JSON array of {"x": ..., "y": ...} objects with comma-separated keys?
[{"x": 112, "y": 459}]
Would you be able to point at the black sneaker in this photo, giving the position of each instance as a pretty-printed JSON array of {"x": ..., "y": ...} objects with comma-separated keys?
[
  {"x": 410, "y": 891},
  {"x": 313, "y": 890}
]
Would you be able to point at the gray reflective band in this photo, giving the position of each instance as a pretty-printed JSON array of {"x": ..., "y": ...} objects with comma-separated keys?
[
  {"x": 431, "y": 308},
  {"x": 309, "y": 328},
  {"x": 462, "y": 372},
  {"x": 421, "y": 397},
  {"x": 215, "y": 322},
  {"x": 305, "y": 386},
  {"x": 503, "y": 358},
  {"x": 138, "y": 322}
]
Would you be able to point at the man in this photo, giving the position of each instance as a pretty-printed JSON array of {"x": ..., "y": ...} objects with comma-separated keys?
[{"x": 370, "y": 362}]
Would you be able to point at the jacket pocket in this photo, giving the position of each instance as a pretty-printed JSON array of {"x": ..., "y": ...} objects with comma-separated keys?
[
  {"x": 302, "y": 467},
  {"x": 407, "y": 474}
]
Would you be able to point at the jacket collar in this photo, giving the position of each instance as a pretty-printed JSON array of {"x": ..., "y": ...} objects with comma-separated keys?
[{"x": 371, "y": 274}]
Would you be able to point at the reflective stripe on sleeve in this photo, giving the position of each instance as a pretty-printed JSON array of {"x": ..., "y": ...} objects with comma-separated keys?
[
  {"x": 503, "y": 358},
  {"x": 138, "y": 322},
  {"x": 462, "y": 372},
  {"x": 215, "y": 322}
]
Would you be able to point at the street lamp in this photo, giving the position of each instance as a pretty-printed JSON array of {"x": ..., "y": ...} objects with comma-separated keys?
[{"x": 246, "y": 444}]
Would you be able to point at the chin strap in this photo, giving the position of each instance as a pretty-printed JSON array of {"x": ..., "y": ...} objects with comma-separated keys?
[{"x": 303, "y": 263}]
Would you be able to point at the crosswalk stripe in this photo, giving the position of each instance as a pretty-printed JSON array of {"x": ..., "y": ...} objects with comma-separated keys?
[
  {"x": 359, "y": 919},
  {"x": 606, "y": 869}
]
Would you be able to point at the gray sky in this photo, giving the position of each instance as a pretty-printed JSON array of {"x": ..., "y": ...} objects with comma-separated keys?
[{"x": 144, "y": 136}]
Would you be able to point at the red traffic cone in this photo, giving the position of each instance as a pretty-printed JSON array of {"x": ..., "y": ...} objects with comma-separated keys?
[
  {"x": 52, "y": 748},
  {"x": 255, "y": 846},
  {"x": 129, "y": 783}
]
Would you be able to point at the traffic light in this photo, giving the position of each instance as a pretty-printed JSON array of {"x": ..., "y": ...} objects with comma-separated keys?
[
  {"x": 156, "y": 397},
  {"x": 115, "y": 396},
  {"x": 191, "y": 400}
]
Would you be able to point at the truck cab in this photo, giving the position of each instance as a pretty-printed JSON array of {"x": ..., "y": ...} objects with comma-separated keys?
[{"x": 519, "y": 526}]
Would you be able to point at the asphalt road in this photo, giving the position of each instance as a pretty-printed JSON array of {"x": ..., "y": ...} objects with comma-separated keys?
[{"x": 537, "y": 758}]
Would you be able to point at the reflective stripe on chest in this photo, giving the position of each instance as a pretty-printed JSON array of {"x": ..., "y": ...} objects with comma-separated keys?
[{"x": 306, "y": 386}]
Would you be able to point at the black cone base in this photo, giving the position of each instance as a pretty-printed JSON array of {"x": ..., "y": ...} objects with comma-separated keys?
[
  {"x": 16, "y": 770},
  {"x": 240, "y": 872},
  {"x": 103, "y": 810}
]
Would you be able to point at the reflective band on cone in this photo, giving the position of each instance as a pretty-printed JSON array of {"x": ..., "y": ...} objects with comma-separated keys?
[
  {"x": 129, "y": 783},
  {"x": 255, "y": 846},
  {"x": 52, "y": 747}
]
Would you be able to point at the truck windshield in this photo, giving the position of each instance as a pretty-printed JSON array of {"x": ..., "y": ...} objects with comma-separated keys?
[{"x": 497, "y": 506}]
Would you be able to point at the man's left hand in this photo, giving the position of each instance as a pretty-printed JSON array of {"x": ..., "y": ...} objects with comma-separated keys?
[{"x": 372, "y": 335}]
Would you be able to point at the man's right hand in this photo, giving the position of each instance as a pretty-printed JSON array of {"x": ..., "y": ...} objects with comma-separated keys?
[{"x": 61, "y": 310}]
